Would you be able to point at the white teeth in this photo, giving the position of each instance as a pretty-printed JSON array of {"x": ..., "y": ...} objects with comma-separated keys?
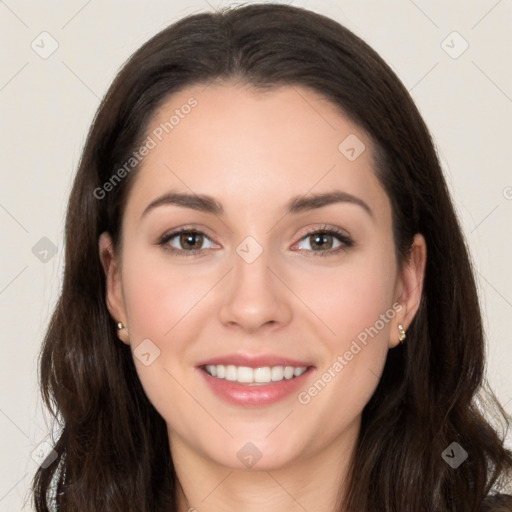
[
  {"x": 277, "y": 373},
  {"x": 297, "y": 372},
  {"x": 211, "y": 369},
  {"x": 246, "y": 375},
  {"x": 288, "y": 372},
  {"x": 231, "y": 373},
  {"x": 262, "y": 374}
]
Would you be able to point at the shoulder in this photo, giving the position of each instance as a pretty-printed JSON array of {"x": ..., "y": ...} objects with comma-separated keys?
[{"x": 497, "y": 503}]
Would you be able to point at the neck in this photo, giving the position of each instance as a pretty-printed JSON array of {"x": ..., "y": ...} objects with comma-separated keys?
[{"x": 306, "y": 483}]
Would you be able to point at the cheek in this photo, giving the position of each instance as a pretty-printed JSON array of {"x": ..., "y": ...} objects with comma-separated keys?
[
  {"x": 353, "y": 297},
  {"x": 160, "y": 295},
  {"x": 163, "y": 303},
  {"x": 356, "y": 304}
]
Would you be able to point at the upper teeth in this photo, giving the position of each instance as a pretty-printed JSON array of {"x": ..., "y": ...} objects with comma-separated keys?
[{"x": 244, "y": 374}]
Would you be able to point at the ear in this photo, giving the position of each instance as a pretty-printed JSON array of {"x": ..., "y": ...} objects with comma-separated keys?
[
  {"x": 114, "y": 292},
  {"x": 409, "y": 287}
]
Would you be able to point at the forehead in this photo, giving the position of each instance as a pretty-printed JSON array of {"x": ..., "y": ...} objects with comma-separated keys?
[{"x": 254, "y": 147}]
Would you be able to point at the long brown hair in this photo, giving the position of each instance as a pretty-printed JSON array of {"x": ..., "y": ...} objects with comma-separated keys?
[{"x": 113, "y": 445}]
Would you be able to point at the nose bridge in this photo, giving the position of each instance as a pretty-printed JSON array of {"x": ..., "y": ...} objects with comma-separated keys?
[
  {"x": 255, "y": 297},
  {"x": 251, "y": 267}
]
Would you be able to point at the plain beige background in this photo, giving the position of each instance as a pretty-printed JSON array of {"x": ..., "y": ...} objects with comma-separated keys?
[{"x": 461, "y": 82}]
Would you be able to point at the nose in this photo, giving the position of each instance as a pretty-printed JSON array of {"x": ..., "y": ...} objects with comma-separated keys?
[{"x": 256, "y": 296}]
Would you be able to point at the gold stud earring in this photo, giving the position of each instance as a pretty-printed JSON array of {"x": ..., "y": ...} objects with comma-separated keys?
[{"x": 401, "y": 330}]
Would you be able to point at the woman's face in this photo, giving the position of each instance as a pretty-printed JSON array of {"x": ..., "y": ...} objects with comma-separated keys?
[{"x": 269, "y": 274}]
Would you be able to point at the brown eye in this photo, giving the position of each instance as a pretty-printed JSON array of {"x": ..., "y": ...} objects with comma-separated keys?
[
  {"x": 321, "y": 240},
  {"x": 326, "y": 241},
  {"x": 191, "y": 240},
  {"x": 185, "y": 242}
]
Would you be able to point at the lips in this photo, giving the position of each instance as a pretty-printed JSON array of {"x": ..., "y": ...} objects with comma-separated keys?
[
  {"x": 261, "y": 394},
  {"x": 254, "y": 361}
]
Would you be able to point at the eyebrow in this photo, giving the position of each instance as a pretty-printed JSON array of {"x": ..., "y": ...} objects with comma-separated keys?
[{"x": 298, "y": 204}]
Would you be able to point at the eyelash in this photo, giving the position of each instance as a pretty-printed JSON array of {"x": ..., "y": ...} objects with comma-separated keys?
[{"x": 342, "y": 237}]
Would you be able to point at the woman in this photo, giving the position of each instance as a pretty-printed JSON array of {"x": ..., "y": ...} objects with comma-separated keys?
[{"x": 201, "y": 356}]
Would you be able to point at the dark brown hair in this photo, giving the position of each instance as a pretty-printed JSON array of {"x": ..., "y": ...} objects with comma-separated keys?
[{"x": 113, "y": 445}]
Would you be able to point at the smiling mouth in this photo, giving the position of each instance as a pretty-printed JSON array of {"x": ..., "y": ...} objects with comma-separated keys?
[{"x": 254, "y": 376}]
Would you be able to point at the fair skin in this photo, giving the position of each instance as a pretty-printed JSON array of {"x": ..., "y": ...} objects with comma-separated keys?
[{"x": 253, "y": 151}]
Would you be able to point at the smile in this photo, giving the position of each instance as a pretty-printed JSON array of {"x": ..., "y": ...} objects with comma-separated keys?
[{"x": 254, "y": 376}]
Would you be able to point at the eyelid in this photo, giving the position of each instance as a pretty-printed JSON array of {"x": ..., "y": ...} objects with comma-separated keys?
[
  {"x": 325, "y": 228},
  {"x": 171, "y": 233}
]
